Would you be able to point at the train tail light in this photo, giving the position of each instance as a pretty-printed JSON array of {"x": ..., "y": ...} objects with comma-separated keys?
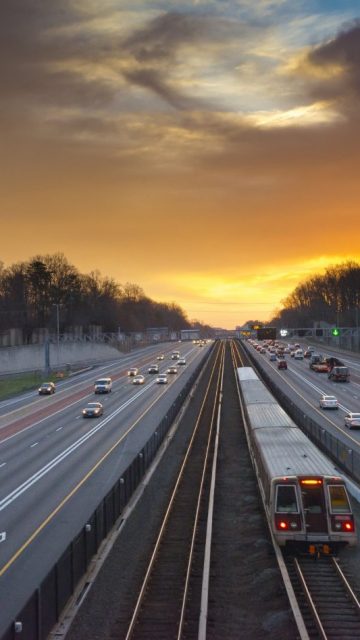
[
  {"x": 344, "y": 524},
  {"x": 287, "y": 523}
]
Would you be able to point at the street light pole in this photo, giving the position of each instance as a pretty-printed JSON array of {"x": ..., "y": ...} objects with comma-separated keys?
[{"x": 57, "y": 330}]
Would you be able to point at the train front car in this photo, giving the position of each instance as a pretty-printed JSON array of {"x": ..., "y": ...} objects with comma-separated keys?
[{"x": 305, "y": 501}]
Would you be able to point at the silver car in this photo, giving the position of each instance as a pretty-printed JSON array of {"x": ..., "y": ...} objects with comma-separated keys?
[
  {"x": 329, "y": 402},
  {"x": 162, "y": 378},
  {"x": 352, "y": 420}
]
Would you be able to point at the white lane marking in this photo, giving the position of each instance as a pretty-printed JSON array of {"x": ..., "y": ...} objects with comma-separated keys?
[
  {"x": 2, "y": 464},
  {"x": 2, "y": 536},
  {"x": 316, "y": 388},
  {"x": 59, "y": 428},
  {"x": 16, "y": 493},
  {"x": 34, "y": 445},
  {"x": 65, "y": 383}
]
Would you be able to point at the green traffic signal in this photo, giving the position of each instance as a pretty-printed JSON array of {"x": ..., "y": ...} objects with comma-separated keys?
[{"x": 335, "y": 331}]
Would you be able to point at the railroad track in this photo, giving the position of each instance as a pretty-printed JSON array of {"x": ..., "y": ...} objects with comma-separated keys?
[
  {"x": 163, "y": 607},
  {"x": 329, "y": 606},
  {"x": 323, "y": 602}
]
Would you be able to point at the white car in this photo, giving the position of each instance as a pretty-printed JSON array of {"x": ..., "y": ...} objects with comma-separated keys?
[
  {"x": 162, "y": 378},
  {"x": 182, "y": 361},
  {"x": 329, "y": 402},
  {"x": 133, "y": 371},
  {"x": 299, "y": 354},
  {"x": 140, "y": 379},
  {"x": 352, "y": 420},
  {"x": 160, "y": 357}
]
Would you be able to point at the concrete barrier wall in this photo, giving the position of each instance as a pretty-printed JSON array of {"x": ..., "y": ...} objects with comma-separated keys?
[{"x": 34, "y": 357}]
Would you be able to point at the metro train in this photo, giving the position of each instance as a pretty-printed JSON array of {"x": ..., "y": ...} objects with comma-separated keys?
[{"x": 306, "y": 502}]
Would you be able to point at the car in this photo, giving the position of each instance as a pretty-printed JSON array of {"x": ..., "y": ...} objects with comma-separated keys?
[
  {"x": 46, "y": 389},
  {"x": 162, "y": 378},
  {"x": 140, "y": 379},
  {"x": 93, "y": 410},
  {"x": 272, "y": 357},
  {"x": 172, "y": 370},
  {"x": 308, "y": 352},
  {"x": 352, "y": 420},
  {"x": 299, "y": 354},
  {"x": 282, "y": 364},
  {"x": 328, "y": 402},
  {"x": 153, "y": 368},
  {"x": 133, "y": 371},
  {"x": 175, "y": 356},
  {"x": 103, "y": 385},
  {"x": 182, "y": 361},
  {"x": 160, "y": 357}
]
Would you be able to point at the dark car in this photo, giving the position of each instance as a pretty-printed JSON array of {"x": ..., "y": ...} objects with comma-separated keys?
[
  {"x": 46, "y": 389},
  {"x": 172, "y": 370},
  {"x": 153, "y": 368},
  {"x": 282, "y": 364},
  {"x": 93, "y": 410}
]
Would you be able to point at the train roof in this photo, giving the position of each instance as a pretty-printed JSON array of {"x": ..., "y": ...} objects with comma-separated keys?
[
  {"x": 254, "y": 391},
  {"x": 263, "y": 409},
  {"x": 288, "y": 452},
  {"x": 268, "y": 416},
  {"x": 247, "y": 373}
]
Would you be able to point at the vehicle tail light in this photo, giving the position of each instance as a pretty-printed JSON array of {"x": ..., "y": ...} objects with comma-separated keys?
[
  {"x": 343, "y": 523},
  {"x": 289, "y": 522}
]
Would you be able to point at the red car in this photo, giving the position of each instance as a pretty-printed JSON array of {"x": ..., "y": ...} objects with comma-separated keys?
[{"x": 282, "y": 364}]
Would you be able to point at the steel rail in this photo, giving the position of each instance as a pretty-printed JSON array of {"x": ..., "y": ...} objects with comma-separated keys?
[
  {"x": 299, "y": 620},
  {"x": 155, "y": 552},
  {"x": 200, "y": 494}
]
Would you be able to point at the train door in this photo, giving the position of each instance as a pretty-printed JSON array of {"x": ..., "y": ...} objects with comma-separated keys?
[{"x": 313, "y": 499}]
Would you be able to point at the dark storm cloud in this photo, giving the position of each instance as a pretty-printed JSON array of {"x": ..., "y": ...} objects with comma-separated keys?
[
  {"x": 342, "y": 51},
  {"x": 37, "y": 41},
  {"x": 157, "y": 50},
  {"x": 152, "y": 79},
  {"x": 160, "y": 39}
]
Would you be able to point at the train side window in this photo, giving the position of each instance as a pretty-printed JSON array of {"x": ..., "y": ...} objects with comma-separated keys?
[
  {"x": 339, "y": 502},
  {"x": 286, "y": 501}
]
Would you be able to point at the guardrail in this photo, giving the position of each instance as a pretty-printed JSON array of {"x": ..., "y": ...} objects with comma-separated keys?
[{"x": 43, "y": 609}]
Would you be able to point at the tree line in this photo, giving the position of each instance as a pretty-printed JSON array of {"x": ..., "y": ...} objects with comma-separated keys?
[
  {"x": 36, "y": 293},
  {"x": 333, "y": 297}
]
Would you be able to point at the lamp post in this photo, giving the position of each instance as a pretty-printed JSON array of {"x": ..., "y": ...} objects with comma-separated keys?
[{"x": 57, "y": 305}]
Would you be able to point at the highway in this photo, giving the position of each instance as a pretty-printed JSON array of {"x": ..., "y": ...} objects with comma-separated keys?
[
  {"x": 305, "y": 387},
  {"x": 56, "y": 466}
]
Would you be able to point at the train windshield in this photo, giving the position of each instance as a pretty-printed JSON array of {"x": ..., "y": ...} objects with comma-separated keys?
[
  {"x": 338, "y": 499},
  {"x": 286, "y": 501}
]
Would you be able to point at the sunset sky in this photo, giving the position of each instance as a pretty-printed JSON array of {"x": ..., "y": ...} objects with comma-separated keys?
[{"x": 206, "y": 150}]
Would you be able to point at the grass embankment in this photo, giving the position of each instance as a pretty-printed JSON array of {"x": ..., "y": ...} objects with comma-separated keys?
[{"x": 23, "y": 382}]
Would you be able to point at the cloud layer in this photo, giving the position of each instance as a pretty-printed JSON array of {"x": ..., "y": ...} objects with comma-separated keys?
[{"x": 227, "y": 131}]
